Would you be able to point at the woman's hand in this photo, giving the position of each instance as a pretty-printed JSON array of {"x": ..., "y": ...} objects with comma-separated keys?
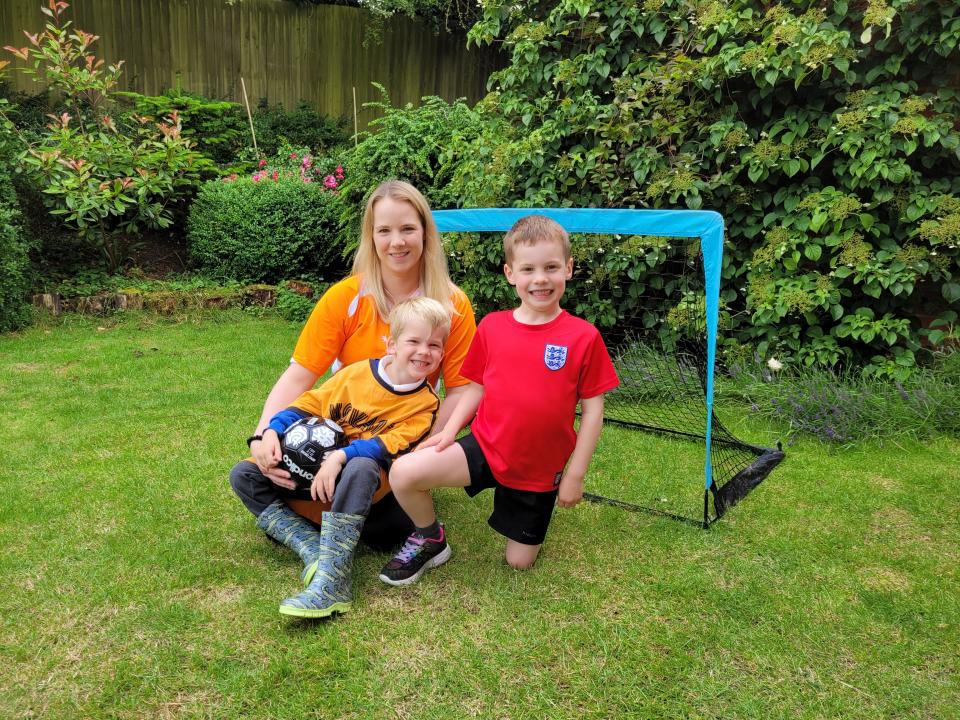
[
  {"x": 267, "y": 455},
  {"x": 266, "y": 451}
]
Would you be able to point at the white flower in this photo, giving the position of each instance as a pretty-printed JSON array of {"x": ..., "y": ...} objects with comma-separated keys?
[{"x": 774, "y": 364}]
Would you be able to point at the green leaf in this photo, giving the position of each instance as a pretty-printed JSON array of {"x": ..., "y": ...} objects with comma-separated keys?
[
  {"x": 812, "y": 252},
  {"x": 951, "y": 291},
  {"x": 843, "y": 271}
]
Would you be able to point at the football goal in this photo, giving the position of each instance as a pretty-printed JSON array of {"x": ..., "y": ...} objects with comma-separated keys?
[{"x": 662, "y": 333}]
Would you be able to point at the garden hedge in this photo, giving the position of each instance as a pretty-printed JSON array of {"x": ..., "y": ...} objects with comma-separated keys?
[
  {"x": 264, "y": 230},
  {"x": 826, "y": 135}
]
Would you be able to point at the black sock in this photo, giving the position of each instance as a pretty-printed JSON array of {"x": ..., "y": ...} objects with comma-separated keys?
[{"x": 430, "y": 531}]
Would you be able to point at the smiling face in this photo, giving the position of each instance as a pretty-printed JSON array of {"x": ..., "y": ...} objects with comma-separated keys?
[
  {"x": 417, "y": 352},
  {"x": 539, "y": 272},
  {"x": 397, "y": 236}
]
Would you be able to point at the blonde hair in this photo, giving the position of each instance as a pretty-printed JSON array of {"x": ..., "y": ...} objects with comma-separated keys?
[
  {"x": 534, "y": 229},
  {"x": 419, "y": 308},
  {"x": 434, "y": 277}
]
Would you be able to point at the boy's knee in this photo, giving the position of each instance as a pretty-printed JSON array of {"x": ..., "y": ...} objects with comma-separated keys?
[
  {"x": 400, "y": 473},
  {"x": 240, "y": 475},
  {"x": 520, "y": 564},
  {"x": 521, "y": 557},
  {"x": 361, "y": 468}
]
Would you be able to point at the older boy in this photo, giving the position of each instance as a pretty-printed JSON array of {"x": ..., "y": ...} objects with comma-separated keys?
[
  {"x": 385, "y": 408},
  {"x": 529, "y": 368}
]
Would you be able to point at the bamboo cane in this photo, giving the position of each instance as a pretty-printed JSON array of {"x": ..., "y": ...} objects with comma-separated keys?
[{"x": 246, "y": 102}]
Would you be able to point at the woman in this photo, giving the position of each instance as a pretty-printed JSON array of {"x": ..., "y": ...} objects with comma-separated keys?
[{"x": 400, "y": 256}]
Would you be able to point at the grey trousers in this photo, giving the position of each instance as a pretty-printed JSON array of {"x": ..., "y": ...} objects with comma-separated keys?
[{"x": 387, "y": 525}]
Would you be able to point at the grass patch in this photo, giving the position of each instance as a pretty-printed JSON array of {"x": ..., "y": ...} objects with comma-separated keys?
[{"x": 136, "y": 586}]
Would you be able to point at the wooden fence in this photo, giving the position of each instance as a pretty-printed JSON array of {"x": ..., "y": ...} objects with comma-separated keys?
[{"x": 285, "y": 52}]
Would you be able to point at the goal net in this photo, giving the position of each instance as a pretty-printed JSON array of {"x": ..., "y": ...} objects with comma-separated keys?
[{"x": 661, "y": 329}]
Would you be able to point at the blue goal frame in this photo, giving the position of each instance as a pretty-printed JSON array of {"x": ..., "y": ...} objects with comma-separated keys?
[{"x": 707, "y": 225}]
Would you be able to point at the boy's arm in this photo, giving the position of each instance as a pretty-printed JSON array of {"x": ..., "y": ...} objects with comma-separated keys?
[
  {"x": 570, "y": 492},
  {"x": 462, "y": 415}
]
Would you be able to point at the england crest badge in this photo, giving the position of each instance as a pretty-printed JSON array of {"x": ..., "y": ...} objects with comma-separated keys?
[{"x": 555, "y": 356}]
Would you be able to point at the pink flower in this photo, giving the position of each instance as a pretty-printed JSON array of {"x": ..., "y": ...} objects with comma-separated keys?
[
  {"x": 293, "y": 156},
  {"x": 258, "y": 176},
  {"x": 305, "y": 179},
  {"x": 330, "y": 181},
  {"x": 339, "y": 171},
  {"x": 262, "y": 164},
  {"x": 307, "y": 161},
  {"x": 276, "y": 174}
]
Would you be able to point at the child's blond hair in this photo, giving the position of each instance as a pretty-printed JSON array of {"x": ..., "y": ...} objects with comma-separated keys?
[
  {"x": 534, "y": 229},
  {"x": 419, "y": 308}
]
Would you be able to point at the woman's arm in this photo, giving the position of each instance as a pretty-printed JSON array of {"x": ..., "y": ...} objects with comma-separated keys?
[{"x": 294, "y": 381}]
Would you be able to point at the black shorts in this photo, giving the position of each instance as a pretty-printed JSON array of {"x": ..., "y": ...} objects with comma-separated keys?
[{"x": 521, "y": 515}]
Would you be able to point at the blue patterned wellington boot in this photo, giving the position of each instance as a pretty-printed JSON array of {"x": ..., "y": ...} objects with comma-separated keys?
[
  {"x": 330, "y": 590},
  {"x": 288, "y": 528}
]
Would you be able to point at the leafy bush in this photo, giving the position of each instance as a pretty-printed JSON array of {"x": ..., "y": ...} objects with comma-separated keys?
[
  {"x": 217, "y": 128},
  {"x": 412, "y": 144},
  {"x": 826, "y": 137},
  {"x": 14, "y": 259},
  {"x": 27, "y": 111},
  {"x": 104, "y": 180},
  {"x": 265, "y": 228},
  {"x": 293, "y": 303},
  {"x": 303, "y": 126}
]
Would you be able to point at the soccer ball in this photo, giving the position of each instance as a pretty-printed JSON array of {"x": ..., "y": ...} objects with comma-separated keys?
[{"x": 306, "y": 444}]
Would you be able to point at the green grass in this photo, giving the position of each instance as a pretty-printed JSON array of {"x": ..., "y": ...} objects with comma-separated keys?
[{"x": 134, "y": 585}]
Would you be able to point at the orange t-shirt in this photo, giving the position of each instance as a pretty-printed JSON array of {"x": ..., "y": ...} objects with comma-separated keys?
[{"x": 345, "y": 328}]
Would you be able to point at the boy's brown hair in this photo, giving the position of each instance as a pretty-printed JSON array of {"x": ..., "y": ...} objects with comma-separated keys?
[{"x": 533, "y": 229}]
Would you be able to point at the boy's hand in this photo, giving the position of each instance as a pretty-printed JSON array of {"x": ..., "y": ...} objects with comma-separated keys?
[
  {"x": 325, "y": 481},
  {"x": 441, "y": 441},
  {"x": 570, "y": 492}
]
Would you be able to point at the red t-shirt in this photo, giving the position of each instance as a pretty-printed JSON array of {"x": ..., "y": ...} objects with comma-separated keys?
[{"x": 533, "y": 376}]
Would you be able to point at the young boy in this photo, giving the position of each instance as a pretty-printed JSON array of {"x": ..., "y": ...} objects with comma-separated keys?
[
  {"x": 529, "y": 368},
  {"x": 385, "y": 408}
]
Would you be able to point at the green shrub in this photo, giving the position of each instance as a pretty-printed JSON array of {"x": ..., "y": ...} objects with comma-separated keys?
[
  {"x": 105, "y": 181},
  {"x": 14, "y": 259},
  {"x": 293, "y": 304},
  {"x": 217, "y": 128},
  {"x": 303, "y": 126},
  {"x": 412, "y": 144},
  {"x": 264, "y": 230},
  {"x": 826, "y": 136}
]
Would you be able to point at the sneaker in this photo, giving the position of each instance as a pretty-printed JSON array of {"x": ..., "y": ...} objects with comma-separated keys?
[{"x": 416, "y": 557}]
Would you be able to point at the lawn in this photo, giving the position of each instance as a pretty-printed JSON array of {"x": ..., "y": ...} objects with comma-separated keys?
[{"x": 134, "y": 585}]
